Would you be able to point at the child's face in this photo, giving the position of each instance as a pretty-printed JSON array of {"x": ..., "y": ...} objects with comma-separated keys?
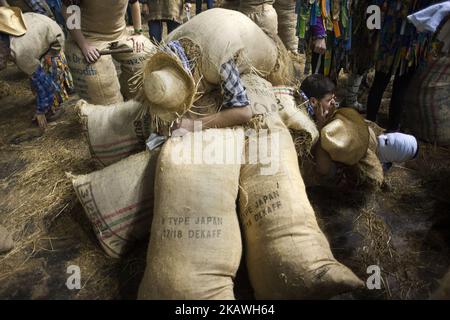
[
  {"x": 324, "y": 108},
  {"x": 328, "y": 104}
]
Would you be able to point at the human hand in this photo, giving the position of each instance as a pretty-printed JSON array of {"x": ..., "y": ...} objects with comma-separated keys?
[
  {"x": 320, "y": 46},
  {"x": 42, "y": 121},
  {"x": 90, "y": 53},
  {"x": 322, "y": 116},
  {"x": 138, "y": 42}
]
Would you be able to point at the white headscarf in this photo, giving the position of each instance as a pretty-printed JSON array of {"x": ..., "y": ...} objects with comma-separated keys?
[{"x": 396, "y": 147}]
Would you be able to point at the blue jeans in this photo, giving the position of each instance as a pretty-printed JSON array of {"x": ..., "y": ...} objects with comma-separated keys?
[
  {"x": 155, "y": 28},
  {"x": 198, "y": 5}
]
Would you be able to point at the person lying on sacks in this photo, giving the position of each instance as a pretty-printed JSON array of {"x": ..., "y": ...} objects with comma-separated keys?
[
  {"x": 169, "y": 91},
  {"x": 98, "y": 34},
  {"x": 35, "y": 43},
  {"x": 351, "y": 151},
  {"x": 214, "y": 49}
]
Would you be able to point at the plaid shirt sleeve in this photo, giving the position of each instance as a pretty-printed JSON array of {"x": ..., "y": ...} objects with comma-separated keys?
[
  {"x": 44, "y": 87},
  {"x": 234, "y": 92}
]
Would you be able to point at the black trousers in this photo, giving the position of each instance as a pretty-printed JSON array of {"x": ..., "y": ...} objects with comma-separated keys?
[{"x": 377, "y": 90}]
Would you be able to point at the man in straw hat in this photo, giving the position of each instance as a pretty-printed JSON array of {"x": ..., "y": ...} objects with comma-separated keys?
[
  {"x": 35, "y": 43},
  {"x": 351, "y": 151},
  {"x": 169, "y": 91},
  {"x": 213, "y": 48}
]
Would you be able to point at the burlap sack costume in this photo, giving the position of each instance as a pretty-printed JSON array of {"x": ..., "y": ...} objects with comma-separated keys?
[
  {"x": 262, "y": 13},
  {"x": 209, "y": 40},
  {"x": 195, "y": 241},
  {"x": 166, "y": 10},
  {"x": 220, "y": 35},
  {"x": 287, "y": 23},
  {"x": 43, "y": 35},
  {"x": 103, "y": 22},
  {"x": 118, "y": 201},
  {"x": 288, "y": 256}
]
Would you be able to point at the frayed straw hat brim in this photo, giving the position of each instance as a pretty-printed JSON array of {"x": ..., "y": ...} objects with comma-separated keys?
[{"x": 161, "y": 60}]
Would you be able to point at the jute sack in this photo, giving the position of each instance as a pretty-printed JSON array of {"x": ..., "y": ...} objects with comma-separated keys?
[
  {"x": 262, "y": 13},
  {"x": 118, "y": 201},
  {"x": 98, "y": 83},
  {"x": 303, "y": 129},
  {"x": 225, "y": 34},
  {"x": 260, "y": 94},
  {"x": 288, "y": 256},
  {"x": 195, "y": 242},
  {"x": 114, "y": 132},
  {"x": 369, "y": 168},
  {"x": 287, "y": 22},
  {"x": 43, "y": 34},
  {"x": 428, "y": 116},
  {"x": 284, "y": 73}
]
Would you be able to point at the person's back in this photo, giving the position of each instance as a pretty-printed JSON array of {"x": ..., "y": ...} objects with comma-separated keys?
[
  {"x": 103, "y": 20},
  {"x": 43, "y": 34},
  {"x": 35, "y": 43}
]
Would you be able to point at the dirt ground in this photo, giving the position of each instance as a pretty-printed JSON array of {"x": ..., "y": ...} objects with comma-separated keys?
[{"x": 403, "y": 228}]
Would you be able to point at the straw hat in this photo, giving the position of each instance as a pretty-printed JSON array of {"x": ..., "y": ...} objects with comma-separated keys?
[
  {"x": 12, "y": 22},
  {"x": 168, "y": 88},
  {"x": 346, "y": 137}
]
